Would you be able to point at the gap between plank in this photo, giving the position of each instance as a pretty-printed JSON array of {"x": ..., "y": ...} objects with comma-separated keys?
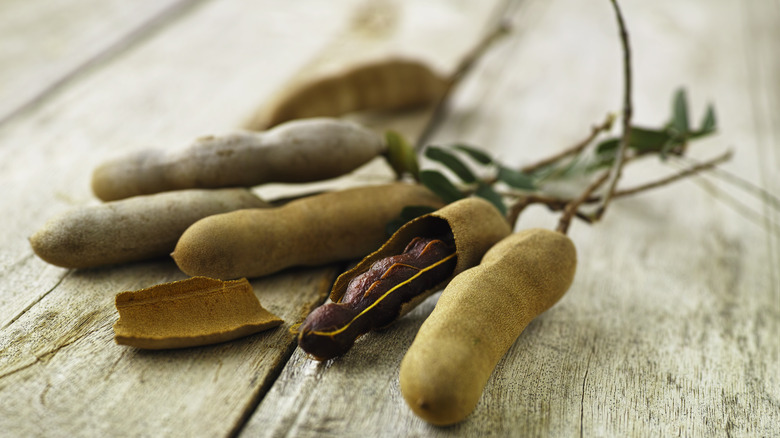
[
  {"x": 131, "y": 39},
  {"x": 37, "y": 300}
]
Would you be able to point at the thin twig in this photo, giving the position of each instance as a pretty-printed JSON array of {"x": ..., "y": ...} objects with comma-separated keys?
[
  {"x": 678, "y": 176},
  {"x": 572, "y": 207},
  {"x": 574, "y": 149},
  {"x": 743, "y": 184},
  {"x": 627, "y": 113},
  {"x": 465, "y": 66}
]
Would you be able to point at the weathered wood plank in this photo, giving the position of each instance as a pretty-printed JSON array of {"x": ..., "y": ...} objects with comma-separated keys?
[
  {"x": 58, "y": 364},
  {"x": 60, "y": 370},
  {"x": 669, "y": 328},
  {"x": 44, "y": 47}
]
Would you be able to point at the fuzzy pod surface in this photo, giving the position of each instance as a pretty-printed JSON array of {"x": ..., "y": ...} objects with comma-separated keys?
[
  {"x": 474, "y": 224},
  {"x": 311, "y": 231},
  {"x": 132, "y": 229},
  {"x": 388, "y": 84},
  {"x": 298, "y": 151},
  {"x": 462, "y": 232},
  {"x": 478, "y": 317}
]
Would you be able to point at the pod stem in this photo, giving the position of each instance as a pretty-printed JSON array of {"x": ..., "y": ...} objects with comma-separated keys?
[{"x": 620, "y": 157}]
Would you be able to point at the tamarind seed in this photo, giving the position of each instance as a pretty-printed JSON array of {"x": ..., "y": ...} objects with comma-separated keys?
[{"x": 374, "y": 298}]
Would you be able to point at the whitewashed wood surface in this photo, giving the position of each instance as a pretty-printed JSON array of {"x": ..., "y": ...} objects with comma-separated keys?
[{"x": 670, "y": 328}]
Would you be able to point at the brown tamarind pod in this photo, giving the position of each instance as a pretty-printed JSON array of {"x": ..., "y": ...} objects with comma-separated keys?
[
  {"x": 389, "y": 84},
  {"x": 132, "y": 229},
  {"x": 468, "y": 227},
  {"x": 310, "y": 231},
  {"x": 298, "y": 151},
  {"x": 478, "y": 317}
]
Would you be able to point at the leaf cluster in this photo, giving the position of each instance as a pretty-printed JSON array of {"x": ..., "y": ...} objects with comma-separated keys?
[{"x": 464, "y": 162}]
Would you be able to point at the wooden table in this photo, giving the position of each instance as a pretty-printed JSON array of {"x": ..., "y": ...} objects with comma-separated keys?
[{"x": 670, "y": 327}]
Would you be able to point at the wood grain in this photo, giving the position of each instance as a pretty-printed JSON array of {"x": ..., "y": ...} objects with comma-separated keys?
[
  {"x": 668, "y": 330},
  {"x": 669, "y": 327},
  {"x": 45, "y": 47},
  {"x": 60, "y": 372}
]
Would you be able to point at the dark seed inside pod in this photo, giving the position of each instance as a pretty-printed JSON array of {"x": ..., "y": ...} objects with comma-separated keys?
[{"x": 374, "y": 298}]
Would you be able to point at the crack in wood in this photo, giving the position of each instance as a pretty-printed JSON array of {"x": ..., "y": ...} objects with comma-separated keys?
[
  {"x": 582, "y": 398},
  {"x": 36, "y": 301}
]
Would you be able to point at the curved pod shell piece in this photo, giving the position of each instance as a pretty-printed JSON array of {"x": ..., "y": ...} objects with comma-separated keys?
[
  {"x": 478, "y": 317},
  {"x": 475, "y": 226},
  {"x": 132, "y": 229},
  {"x": 298, "y": 151},
  {"x": 311, "y": 231}
]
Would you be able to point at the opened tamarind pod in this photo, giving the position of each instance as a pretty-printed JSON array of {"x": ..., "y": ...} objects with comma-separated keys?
[
  {"x": 415, "y": 262},
  {"x": 299, "y": 151},
  {"x": 311, "y": 231},
  {"x": 478, "y": 317},
  {"x": 389, "y": 84},
  {"x": 132, "y": 229}
]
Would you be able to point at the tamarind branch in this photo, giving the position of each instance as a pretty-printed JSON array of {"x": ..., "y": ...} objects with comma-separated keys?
[
  {"x": 627, "y": 113},
  {"x": 678, "y": 176},
  {"x": 571, "y": 208},
  {"x": 568, "y": 205},
  {"x": 606, "y": 125}
]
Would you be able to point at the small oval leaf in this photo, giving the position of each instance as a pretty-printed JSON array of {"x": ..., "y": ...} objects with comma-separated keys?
[
  {"x": 680, "y": 112},
  {"x": 477, "y": 154},
  {"x": 440, "y": 185},
  {"x": 452, "y": 162},
  {"x": 515, "y": 179},
  {"x": 486, "y": 192}
]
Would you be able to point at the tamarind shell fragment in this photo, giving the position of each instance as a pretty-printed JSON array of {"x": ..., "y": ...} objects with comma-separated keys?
[
  {"x": 137, "y": 228},
  {"x": 474, "y": 224},
  {"x": 477, "y": 319},
  {"x": 188, "y": 313},
  {"x": 311, "y": 231},
  {"x": 298, "y": 151}
]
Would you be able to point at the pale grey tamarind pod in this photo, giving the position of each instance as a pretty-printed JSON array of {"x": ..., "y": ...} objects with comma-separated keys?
[
  {"x": 479, "y": 315},
  {"x": 310, "y": 231},
  {"x": 132, "y": 229},
  {"x": 297, "y": 151}
]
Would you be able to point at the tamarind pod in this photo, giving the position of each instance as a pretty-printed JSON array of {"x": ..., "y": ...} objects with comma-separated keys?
[
  {"x": 311, "y": 231},
  {"x": 299, "y": 151},
  {"x": 375, "y": 297},
  {"x": 478, "y": 317},
  {"x": 389, "y": 84},
  {"x": 473, "y": 224},
  {"x": 131, "y": 229}
]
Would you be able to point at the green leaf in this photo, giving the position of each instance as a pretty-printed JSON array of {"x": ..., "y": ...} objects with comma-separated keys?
[
  {"x": 641, "y": 139},
  {"x": 515, "y": 179},
  {"x": 680, "y": 113},
  {"x": 452, "y": 162},
  {"x": 407, "y": 213},
  {"x": 400, "y": 155},
  {"x": 477, "y": 154},
  {"x": 486, "y": 192},
  {"x": 440, "y": 185},
  {"x": 710, "y": 123}
]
